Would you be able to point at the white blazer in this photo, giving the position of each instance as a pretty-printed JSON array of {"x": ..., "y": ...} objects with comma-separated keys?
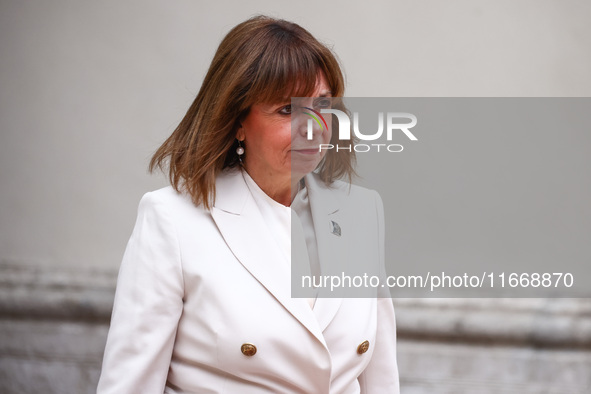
[{"x": 195, "y": 285}]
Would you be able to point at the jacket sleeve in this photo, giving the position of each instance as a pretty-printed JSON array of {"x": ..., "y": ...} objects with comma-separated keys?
[
  {"x": 147, "y": 308},
  {"x": 381, "y": 374}
]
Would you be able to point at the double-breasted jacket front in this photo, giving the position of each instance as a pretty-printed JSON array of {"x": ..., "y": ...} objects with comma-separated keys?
[{"x": 199, "y": 290}]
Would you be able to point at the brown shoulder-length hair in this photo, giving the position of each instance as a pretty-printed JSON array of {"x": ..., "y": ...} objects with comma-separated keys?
[{"x": 261, "y": 60}]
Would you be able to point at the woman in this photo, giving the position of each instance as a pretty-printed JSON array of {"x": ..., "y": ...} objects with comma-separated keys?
[{"x": 203, "y": 301}]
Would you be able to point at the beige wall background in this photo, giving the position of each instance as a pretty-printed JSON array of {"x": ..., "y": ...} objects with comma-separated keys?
[{"x": 89, "y": 89}]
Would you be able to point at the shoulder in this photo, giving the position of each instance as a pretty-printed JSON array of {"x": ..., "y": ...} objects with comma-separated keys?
[
  {"x": 170, "y": 205},
  {"x": 230, "y": 190},
  {"x": 173, "y": 214},
  {"x": 227, "y": 181},
  {"x": 166, "y": 197}
]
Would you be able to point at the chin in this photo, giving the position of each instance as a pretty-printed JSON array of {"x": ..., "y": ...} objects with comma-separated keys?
[
  {"x": 301, "y": 170},
  {"x": 303, "y": 165}
]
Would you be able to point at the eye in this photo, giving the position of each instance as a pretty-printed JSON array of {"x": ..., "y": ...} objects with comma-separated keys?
[
  {"x": 323, "y": 103},
  {"x": 285, "y": 110}
]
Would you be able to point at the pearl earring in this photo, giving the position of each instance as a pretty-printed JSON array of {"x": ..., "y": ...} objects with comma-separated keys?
[{"x": 240, "y": 151}]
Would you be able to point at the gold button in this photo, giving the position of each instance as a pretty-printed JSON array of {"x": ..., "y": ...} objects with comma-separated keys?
[
  {"x": 363, "y": 347},
  {"x": 248, "y": 349}
]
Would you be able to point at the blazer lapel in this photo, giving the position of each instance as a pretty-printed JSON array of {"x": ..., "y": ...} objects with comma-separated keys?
[
  {"x": 325, "y": 206},
  {"x": 244, "y": 230}
]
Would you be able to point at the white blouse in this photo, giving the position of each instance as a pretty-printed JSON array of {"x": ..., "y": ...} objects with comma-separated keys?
[{"x": 292, "y": 227}]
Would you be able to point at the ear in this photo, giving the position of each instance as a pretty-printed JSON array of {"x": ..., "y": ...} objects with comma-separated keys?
[{"x": 240, "y": 133}]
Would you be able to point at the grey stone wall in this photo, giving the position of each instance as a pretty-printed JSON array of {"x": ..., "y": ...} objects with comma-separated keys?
[
  {"x": 494, "y": 345},
  {"x": 53, "y": 328}
]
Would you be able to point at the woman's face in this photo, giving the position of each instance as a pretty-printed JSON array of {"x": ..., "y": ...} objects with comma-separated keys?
[{"x": 276, "y": 151}]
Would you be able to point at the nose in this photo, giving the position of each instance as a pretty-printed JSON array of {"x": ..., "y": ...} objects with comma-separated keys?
[
  {"x": 313, "y": 129},
  {"x": 310, "y": 124}
]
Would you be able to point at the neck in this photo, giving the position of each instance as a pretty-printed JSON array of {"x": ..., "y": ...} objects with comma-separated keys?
[
  {"x": 281, "y": 189},
  {"x": 295, "y": 187}
]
